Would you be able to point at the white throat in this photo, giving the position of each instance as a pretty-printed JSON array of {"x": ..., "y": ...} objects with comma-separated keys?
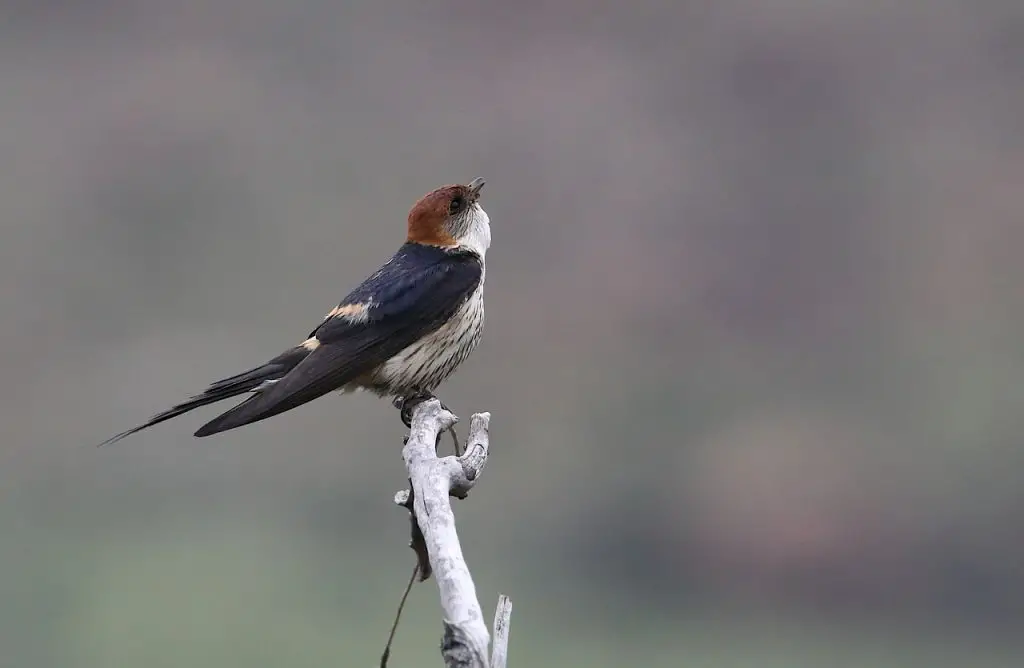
[{"x": 478, "y": 233}]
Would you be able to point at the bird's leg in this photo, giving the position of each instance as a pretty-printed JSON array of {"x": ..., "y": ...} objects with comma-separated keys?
[{"x": 408, "y": 403}]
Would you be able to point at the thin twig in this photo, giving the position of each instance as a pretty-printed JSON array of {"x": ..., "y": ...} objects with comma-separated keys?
[
  {"x": 398, "y": 615},
  {"x": 455, "y": 441}
]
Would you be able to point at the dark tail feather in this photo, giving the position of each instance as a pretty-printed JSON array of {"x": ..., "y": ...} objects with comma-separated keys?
[
  {"x": 322, "y": 371},
  {"x": 240, "y": 415},
  {"x": 224, "y": 389},
  {"x": 259, "y": 407}
]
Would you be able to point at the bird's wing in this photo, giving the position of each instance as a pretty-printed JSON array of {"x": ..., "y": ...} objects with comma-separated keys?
[{"x": 412, "y": 295}]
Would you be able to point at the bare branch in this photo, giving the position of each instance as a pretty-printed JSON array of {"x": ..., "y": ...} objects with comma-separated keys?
[{"x": 434, "y": 481}]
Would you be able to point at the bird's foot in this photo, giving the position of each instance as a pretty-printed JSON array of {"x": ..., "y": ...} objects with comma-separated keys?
[{"x": 407, "y": 404}]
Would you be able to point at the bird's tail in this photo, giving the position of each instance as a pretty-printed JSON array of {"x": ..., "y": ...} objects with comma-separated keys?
[{"x": 236, "y": 385}]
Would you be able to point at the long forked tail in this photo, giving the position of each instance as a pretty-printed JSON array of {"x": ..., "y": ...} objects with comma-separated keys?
[{"x": 234, "y": 386}]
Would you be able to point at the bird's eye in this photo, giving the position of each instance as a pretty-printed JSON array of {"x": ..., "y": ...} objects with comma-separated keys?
[{"x": 455, "y": 206}]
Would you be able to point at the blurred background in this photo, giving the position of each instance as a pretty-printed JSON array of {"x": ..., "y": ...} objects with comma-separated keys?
[{"x": 754, "y": 344}]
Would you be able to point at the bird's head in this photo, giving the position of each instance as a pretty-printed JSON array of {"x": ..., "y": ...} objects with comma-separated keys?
[{"x": 450, "y": 217}]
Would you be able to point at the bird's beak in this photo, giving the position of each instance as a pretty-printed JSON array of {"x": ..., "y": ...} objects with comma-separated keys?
[{"x": 475, "y": 185}]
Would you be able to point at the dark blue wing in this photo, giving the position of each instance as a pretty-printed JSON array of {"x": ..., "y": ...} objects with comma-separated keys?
[{"x": 417, "y": 291}]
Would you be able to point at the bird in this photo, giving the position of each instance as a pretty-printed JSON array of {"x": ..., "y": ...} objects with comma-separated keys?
[{"x": 400, "y": 334}]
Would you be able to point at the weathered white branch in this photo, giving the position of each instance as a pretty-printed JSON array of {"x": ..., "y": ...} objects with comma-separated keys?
[
  {"x": 434, "y": 480},
  {"x": 502, "y": 619}
]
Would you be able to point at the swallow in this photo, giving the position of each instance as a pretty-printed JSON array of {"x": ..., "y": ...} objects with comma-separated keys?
[{"x": 400, "y": 334}]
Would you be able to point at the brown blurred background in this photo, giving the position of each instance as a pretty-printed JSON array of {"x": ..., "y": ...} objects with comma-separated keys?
[{"x": 754, "y": 348}]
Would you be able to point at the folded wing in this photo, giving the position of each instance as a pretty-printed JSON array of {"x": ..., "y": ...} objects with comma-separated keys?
[{"x": 416, "y": 292}]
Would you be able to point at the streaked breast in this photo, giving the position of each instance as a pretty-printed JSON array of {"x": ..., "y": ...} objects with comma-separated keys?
[{"x": 428, "y": 362}]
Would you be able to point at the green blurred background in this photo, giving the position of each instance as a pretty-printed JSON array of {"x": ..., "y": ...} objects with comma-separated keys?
[{"x": 754, "y": 344}]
